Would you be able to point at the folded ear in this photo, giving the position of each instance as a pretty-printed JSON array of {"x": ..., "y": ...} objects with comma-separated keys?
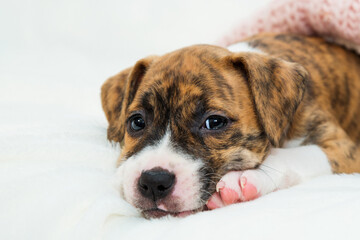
[
  {"x": 277, "y": 87},
  {"x": 117, "y": 93}
]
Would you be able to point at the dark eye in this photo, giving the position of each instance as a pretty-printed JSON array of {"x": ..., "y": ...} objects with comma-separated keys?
[
  {"x": 137, "y": 123},
  {"x": 215, "y": 122}
]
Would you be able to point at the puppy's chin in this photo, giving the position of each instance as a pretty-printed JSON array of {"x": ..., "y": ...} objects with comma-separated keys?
[
  {"x": 170, "y": 206},
  {"x": 158, "y": 213}
]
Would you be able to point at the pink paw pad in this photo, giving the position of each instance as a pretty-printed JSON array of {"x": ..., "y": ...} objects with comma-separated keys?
[
  {"x": 229, "y": 196},
  {"x": 215, "y": 202},
  {"x": 249, "y": 191},
  {"x": 234, "y": 187}
]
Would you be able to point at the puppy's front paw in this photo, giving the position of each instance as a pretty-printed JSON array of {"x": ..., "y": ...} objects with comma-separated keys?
[{"x": 240, "y": 186}]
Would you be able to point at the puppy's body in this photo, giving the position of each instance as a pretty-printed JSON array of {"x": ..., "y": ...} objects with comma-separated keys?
[
  {"x": 329, "y": 114},
  {"x": 189, "y": 117}
]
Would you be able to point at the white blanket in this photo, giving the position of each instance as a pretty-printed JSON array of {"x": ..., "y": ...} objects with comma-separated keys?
[{"x": 56, "y": 166}]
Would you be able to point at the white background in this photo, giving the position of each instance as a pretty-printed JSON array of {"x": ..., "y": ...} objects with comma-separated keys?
[{"x": 56, "y": 166}]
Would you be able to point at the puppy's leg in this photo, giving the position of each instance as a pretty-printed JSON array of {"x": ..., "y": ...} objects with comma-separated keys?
[
  {"x": 281, "y": 169},
  {"x": 343, "y": 153},
  {"x": 334, "y": 152}
]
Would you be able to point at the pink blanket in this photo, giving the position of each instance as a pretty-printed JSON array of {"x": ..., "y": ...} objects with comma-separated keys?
[{"x": 336, "y": 20}]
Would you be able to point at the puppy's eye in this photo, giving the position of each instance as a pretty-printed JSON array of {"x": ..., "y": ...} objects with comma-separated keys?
[
  {"x": 215, "y": 122},
  {"x": 137, "y": 123}
]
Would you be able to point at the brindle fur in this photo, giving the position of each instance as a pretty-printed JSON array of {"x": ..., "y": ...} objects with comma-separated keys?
[
  {"x": 329, "y": 113},
  {"x": 303, "y": 87}
]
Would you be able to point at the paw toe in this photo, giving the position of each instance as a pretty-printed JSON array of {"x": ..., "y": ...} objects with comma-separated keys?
[
  {"x": 229, "y": 196},
  {"x": 248, "y": 190},
  {"x": 236, "y": 186},
  {"x": 215, "y": 202}
]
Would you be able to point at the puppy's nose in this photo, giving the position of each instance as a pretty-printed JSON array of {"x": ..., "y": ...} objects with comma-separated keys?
[{"x": 156, "y": 183}]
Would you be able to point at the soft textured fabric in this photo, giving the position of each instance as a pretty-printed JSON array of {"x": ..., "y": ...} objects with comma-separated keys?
[
  {"x": 336, "y": 20},
  {"x": 56, "y": 165}
]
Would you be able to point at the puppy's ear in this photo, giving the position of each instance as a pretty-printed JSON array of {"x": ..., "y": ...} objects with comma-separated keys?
[
  {"x": 118, "y": 92},
  {"x": 277, "y": 87}
]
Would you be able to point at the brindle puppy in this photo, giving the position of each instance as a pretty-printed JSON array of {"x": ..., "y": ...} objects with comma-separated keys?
[{"x": 193, "y": 116}]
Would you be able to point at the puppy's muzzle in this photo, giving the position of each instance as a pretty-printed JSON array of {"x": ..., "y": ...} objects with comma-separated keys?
[{"x": 156, "y": 183}]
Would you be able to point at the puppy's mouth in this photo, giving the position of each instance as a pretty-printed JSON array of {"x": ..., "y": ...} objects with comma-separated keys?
[{"x": 158, "y": 213}]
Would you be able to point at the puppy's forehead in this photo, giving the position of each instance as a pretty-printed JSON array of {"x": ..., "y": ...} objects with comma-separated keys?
[
  {"x": 195, "y": 60},
  {"x": 190, "y": 58},
  {"x": 188, "y": 75}
]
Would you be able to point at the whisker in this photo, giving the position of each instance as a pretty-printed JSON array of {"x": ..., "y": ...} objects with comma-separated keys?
[
  {"x": 205, "y": 191},
  {"x": 211, "y": 174},
  {"x": 270, "y": 168},
  {"x": 272, "y": 180}
]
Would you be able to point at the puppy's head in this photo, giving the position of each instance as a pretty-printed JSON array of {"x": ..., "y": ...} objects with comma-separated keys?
[{"x": 186, "y": 118}]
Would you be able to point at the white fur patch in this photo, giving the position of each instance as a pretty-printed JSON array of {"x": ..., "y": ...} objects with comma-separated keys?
[
  {"x": 243, "y": 47},
  {"x": 286, "y": 167},
  {"x": 281, "y": 169},
  {"x": 294, "y": 143},
  {"x": 187, "y": 186}
]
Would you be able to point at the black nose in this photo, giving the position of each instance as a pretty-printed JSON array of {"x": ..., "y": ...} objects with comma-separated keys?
[{"x": 156, "y": 183}]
